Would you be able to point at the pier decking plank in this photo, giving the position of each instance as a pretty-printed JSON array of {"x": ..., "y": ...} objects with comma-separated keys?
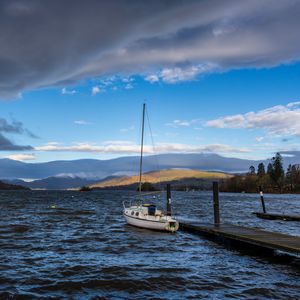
[{"x": 245, "y": 235}]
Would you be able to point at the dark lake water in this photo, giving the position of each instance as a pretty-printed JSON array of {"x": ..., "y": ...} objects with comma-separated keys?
[{"x": 82, "y": 249}]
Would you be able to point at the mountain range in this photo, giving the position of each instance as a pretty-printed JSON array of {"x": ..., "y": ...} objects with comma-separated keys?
[
  {"x": 53, "y": 183},
  {"x": 66, "y": 174}
]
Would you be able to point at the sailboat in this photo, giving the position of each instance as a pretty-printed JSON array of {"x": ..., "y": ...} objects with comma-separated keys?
[{"x": 147, "y": 215}]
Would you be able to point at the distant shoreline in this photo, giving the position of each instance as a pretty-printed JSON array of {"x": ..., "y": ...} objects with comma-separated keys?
[{"x": 133, "y": 190}]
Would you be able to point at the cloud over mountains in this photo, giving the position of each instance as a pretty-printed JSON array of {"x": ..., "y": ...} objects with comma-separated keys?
[
  {"x": 126, "y": 147},
  {"x": 57, "y": 43}
]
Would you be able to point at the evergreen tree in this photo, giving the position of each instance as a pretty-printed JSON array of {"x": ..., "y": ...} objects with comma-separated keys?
[
  {"x": 293, "y": 177},
  {"x": 289, "y": 177},
  {"x": 252, "y": 170},
  {"x": 296, "y": 177},
  {"x": 278, "y": 172},
  {"x": 277, "y": 166},
  {"x": 261, "y": 170},
  {"x": 270, "y": 170}
]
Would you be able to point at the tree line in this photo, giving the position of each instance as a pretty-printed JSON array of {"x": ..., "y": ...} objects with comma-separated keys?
[{"x": 273, "y": 179}]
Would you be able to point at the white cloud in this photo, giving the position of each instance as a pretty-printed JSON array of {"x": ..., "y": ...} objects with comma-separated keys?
[
  {"x": 130, "y": 128},
  {"x": 114, "y": 83},
  {"x": 81, "y": 122},
  {"x": 173, "y": 75},
  {"x": 22, "y": 157},
  {"x": 259, "y": 138},
  {"x": 182, "y": 123},
  {"x": 277, "y": 120},
  {"x": 177, "y": 74},
  {"x": 235, "y": 121},
  {"x": 53, "y": 143},
  {"x": 96, "y": 90},
  {"x": 292, "y": 104},
  {"x": 127, "y": 79},
  {"x": 107, "y": 81},
  {"x": 152, "y": 78},
  {"x": 128, "y": 86},
  {"x": 117, "y": 142},
  {"x": 212, "y": 148},
  {"x": 65, "y": 91},
  {"x": 125, "y": 147}
]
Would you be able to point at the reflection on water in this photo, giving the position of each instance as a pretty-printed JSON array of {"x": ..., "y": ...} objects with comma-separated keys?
[{"x": 82, "y": 249}]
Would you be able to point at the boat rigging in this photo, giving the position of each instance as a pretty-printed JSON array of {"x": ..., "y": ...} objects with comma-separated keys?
[{"x": 146, "y": 215}]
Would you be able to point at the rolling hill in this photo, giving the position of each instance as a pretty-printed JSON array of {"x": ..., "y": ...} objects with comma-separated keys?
[
  {"x": 163, "y": 176},
  {"x": 7, "y": 186}
]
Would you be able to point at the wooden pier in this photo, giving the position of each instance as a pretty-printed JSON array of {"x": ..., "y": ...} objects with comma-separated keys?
[
  {"x": 244, "y": 237},
  {"x": 260, "y": 241},
  {"x": 272, "y": 216}
]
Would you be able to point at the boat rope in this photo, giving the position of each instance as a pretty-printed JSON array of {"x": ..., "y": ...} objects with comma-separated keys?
[
  {"x": 138, "y": 166},
  {"x": 154, "y": 149},
  {"x": 142, "y": 149}
]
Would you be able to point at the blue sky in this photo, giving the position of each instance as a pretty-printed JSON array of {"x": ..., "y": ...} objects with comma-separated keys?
[{"x": 243, "y": 104}]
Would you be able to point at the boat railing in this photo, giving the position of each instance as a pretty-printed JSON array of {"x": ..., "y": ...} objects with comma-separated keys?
[{"x": 128, "y": 202}]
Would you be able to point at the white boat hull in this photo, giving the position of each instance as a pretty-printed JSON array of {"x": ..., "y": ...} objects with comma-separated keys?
[
  {"x": 162, "y": 223},
  {"x": 155, "y": 225}
]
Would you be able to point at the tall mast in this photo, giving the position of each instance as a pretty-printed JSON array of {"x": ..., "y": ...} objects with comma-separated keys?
[{"x": 142, "y": 147}]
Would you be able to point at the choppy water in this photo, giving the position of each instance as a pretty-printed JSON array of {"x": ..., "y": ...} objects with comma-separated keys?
[{"x": 82, "y": 249}]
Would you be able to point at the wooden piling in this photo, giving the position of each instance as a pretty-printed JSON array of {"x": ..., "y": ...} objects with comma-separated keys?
[
  {"x": 262, "y": 199},
  {"x": 273, "y": 216},
  {"x": 249, "y": 239},
  {"x": 169, "y": 208},
  {"x": 216, "y": 203}
]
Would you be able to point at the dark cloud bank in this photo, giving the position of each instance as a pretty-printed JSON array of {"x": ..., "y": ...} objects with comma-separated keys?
[
  {"x": 55, "y": 42},
  {"x": 15, "y": 127}
]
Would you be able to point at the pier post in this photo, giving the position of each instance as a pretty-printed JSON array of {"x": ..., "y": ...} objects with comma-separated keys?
[
  {"x": 169, "y": 209},
  {"x": 262, "y": 199},
  {"x": 216, "y": 203}
]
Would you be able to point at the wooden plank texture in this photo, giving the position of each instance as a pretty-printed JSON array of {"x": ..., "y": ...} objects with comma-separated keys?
[{"x": 250, "y": 236}]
